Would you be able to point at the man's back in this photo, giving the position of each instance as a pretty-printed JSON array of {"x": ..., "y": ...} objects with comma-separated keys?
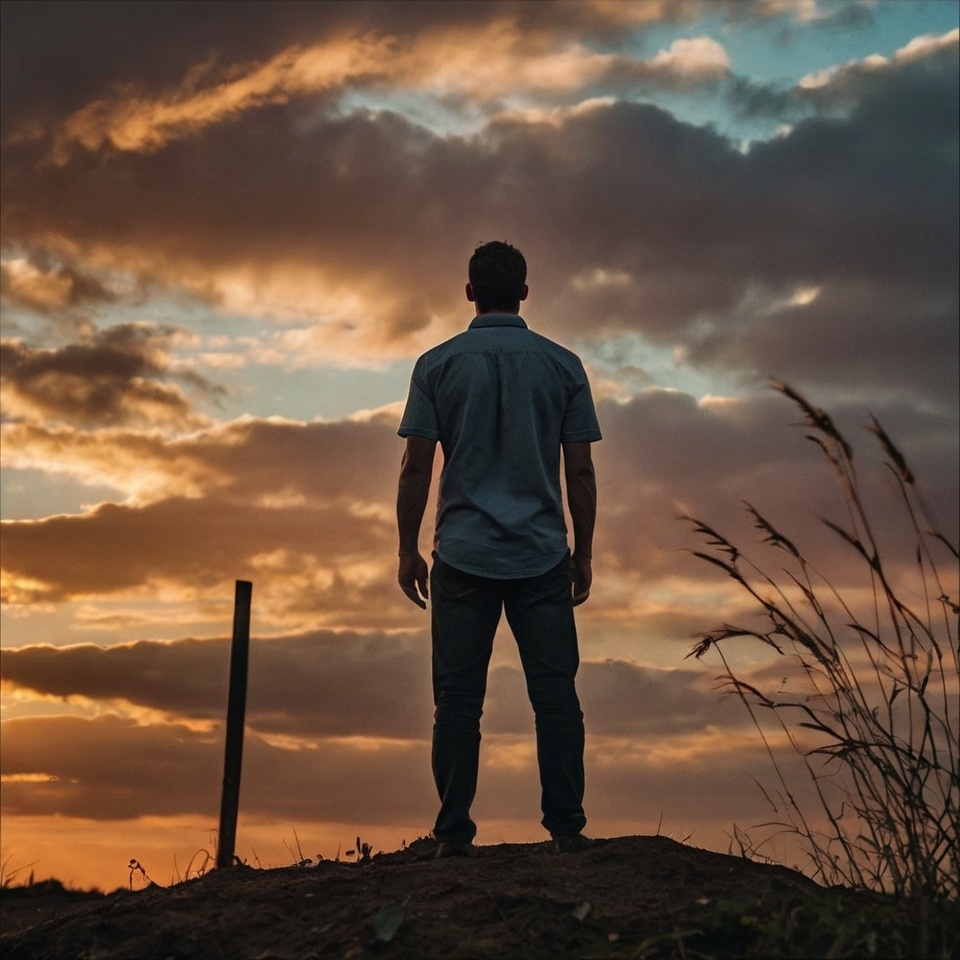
[{"x": 501, "y": 400}]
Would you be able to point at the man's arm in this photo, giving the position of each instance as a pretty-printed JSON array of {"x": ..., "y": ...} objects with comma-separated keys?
[
  {"x": 581, "y": 480},
  {"x": 416, "y": 471}
]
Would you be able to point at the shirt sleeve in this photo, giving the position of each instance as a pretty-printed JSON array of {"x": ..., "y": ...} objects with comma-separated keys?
[
  {"x": 420, "y": 414},
  {"x": 580, "y": 424}
]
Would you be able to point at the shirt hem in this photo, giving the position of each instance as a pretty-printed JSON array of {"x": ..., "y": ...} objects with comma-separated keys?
[{"x": 526, "y": 571}]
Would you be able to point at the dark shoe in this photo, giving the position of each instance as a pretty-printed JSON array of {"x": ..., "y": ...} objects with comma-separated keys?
[
  {"x": 571, "y": 843},
  {"x": 454, "y": 848}
]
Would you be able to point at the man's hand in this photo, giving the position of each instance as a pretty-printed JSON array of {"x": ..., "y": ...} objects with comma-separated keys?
[
  {"x": 412, "y": 577},
  {"x": 581, "y": 578}
]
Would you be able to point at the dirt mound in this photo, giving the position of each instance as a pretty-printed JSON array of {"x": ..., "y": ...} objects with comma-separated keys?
[{"x": 510, "y": 900}]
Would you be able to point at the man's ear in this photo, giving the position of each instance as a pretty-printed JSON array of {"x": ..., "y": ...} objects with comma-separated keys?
[
  {"x": 469, "y": 292},
  {"x": 526, "y": 290}
]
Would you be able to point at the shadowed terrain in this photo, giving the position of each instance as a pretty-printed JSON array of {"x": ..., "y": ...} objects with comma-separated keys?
[{"x": 625, "y": 897}]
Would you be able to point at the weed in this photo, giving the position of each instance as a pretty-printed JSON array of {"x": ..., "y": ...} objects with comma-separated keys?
[
  {"x": 299, "y": 860},
  {"x": 362, "y": 851},
  {"x": 876, "y": 724},
  {"x": 7, "y": 875},
  {"x": 207, "y": 860},
  {"x": 135, "y": 867}
]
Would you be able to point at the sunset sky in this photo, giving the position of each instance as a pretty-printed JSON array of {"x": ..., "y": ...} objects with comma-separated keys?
[{"x": 229, "y": 229}]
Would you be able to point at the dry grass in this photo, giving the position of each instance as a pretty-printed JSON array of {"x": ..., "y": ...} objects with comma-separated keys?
[{"x": 876, "y": 724}]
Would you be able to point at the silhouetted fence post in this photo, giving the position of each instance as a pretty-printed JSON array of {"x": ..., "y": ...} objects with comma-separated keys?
[{"x": 236, "y": 712}]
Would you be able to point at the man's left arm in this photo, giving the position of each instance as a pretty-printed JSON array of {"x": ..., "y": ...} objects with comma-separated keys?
[{"x": 413, "y": 490}]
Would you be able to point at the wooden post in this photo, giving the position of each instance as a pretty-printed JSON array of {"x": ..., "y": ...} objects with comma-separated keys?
[{"x": 236, "y": 712}]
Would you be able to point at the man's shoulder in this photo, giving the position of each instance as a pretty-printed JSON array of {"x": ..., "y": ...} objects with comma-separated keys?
[
  {"x": 560, "y": 353},
  {"x": 549, "y": 344},
  {"x": 441, "y": 350}
]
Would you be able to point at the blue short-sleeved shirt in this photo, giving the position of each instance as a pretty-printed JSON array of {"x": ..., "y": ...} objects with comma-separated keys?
[{"x": 500, "y": 399}]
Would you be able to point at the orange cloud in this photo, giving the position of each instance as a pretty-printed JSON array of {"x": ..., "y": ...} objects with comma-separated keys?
[
  {"x": 49, "y": 289},
  {"x": 485, "y": 62},
  {"x": 132, "y": 122}
]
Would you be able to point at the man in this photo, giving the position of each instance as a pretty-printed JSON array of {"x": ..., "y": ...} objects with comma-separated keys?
[{"x": 503, "y": 402}]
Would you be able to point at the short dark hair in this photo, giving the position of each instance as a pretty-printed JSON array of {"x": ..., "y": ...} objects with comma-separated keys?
[{"x": 498, "y": 273}]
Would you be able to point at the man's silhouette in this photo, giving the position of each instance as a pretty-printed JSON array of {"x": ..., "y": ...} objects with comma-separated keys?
[{"x": 503, "y": 402}]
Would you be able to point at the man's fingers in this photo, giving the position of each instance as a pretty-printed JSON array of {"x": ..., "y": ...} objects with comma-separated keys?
[
  {"x": 412, "y": 577},
  {"x": 414, "y": 596},
  {"x": 580, "y": 594},
  {"x": 409, "y": 587}
]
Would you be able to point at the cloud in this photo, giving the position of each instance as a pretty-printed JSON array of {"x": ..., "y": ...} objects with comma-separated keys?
[
  {"x": 688, "y": 61},
  {"x": 135, "y": 123},
  {"x": 857, "y": 80},
  {"x": 169, "y": 770},
  {"x": 307, "y": 686},
  {"x": 315, "y": 504},
  {"x": 112, "y": 376},
  {"x": 49, "y": 289},
  {"x": 258, "y": 463},
  {"x": 328, "y": 714},
  {"x": 484, "y": 63},
  {"x": 326, "y": 684},
  {"x": 323, "y": 562},
  {"x": 710, "y": 242}
]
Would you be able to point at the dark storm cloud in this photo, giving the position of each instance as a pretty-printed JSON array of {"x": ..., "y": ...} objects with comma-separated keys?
[
  {"x": 900, "y": 337},
  {"x": 114, "y": 376},
  {"x": 320, "y": 684}
]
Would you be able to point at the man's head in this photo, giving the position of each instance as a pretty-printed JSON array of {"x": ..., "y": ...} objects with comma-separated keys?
[{"x": 498, "y": 278}]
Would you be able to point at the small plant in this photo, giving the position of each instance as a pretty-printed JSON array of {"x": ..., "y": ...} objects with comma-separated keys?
[
  {"x": 299, "y": 860},
  {"x": 362, "y": 851},
  {"x": 135, "y": 868},
  {"x": 205, "y": 859},
  {"x": 7, "y": 875},
  {"x": 877, "y": 723}
]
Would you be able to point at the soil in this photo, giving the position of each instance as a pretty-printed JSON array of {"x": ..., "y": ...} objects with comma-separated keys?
[{"x": 509, "y": 900}]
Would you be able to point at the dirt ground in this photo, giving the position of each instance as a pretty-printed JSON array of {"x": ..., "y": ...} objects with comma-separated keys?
[{"x": 509, "y": 900}]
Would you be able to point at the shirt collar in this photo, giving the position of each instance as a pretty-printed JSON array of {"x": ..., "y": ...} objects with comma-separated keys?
[{"x": 497, "y": 320}]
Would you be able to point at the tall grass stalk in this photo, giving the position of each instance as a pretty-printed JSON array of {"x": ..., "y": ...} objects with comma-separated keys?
[{"x": 876, "y": 725}]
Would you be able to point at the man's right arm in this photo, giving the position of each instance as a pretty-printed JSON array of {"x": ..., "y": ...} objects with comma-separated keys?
[
  {"x": 413, "y": 490},
  {"x": 581, "y": 481}
]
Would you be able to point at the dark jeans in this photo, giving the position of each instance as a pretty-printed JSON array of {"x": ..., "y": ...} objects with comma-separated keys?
[{"x": 465, "y": 613}]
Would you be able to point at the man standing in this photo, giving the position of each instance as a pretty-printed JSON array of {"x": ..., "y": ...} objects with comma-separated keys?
[{"x": 503, "y": 402}]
